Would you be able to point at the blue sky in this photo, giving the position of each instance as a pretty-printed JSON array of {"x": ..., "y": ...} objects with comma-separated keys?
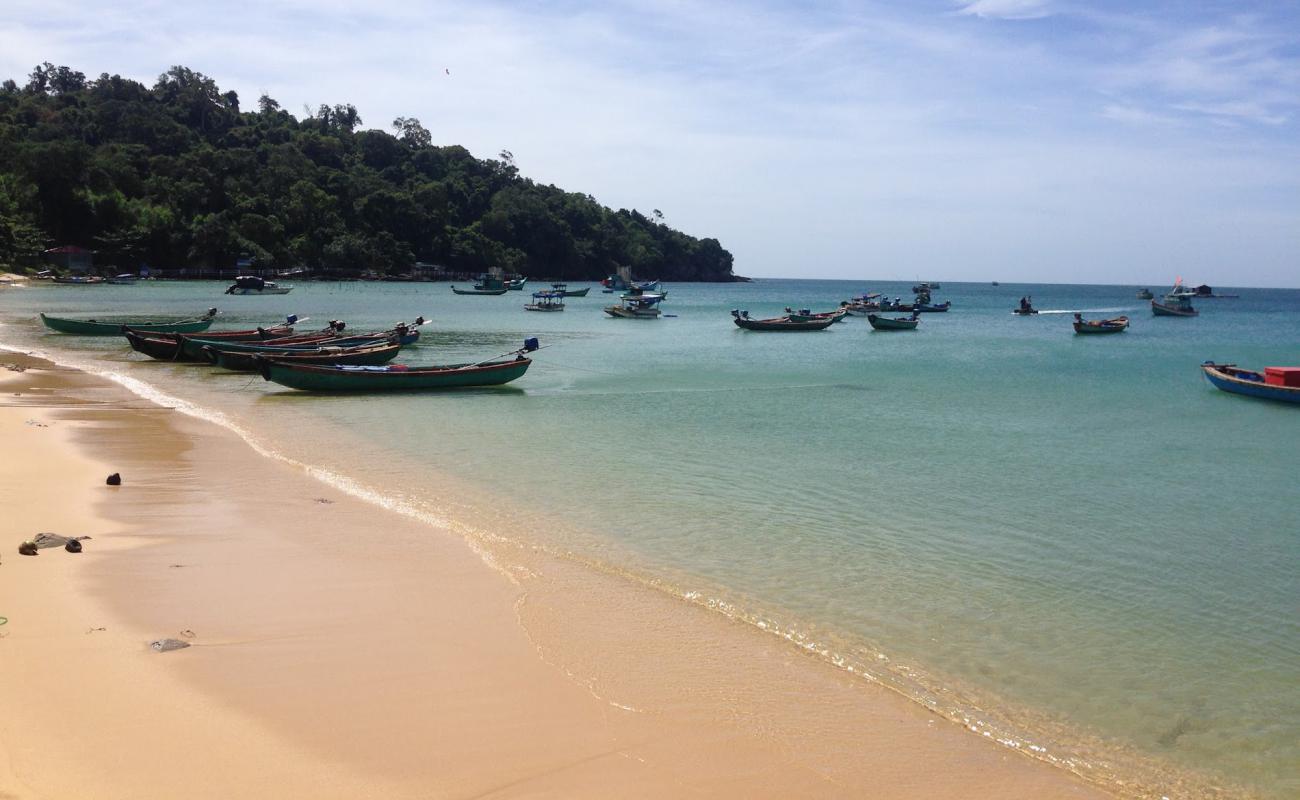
[{"x": 1046, "y": 140}]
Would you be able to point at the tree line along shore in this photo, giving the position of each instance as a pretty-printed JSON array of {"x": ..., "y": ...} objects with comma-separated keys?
[{"x": 179, "y": 177}]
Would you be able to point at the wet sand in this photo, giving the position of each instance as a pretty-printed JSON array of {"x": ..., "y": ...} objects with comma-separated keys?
[{"x": 342, "y": 650}]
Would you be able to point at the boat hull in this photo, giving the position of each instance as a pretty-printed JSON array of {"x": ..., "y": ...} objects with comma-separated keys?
[
  {"x": 268, "y": 290},
  {"x": 1227, "y": 378},
  {"x": 783, "y": 325},
  {"x": 576, "y": 292},
  {"x": 1102, "y": 326},
  {"x": 335, "y": 379},
  {"x": 886, "y": 324},
  {"x": 90, "y": 327},
  {"x": 484, "y": 292},
  {"x": 624, "y": 313},
  {"x": 325, "y": 356},
  {"x": 1161, "y": 310}
]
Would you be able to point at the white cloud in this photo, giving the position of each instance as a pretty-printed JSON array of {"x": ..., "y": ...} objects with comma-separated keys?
[{"x": 1007, "y": 9}]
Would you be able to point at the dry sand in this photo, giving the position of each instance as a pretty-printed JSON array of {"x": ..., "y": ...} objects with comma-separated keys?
[{"x": 341, "y": 650}]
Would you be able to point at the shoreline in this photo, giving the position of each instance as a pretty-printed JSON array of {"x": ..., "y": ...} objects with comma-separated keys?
[
  {"x": 593, "y": 699},
  {"x": 548, "y": 587}
]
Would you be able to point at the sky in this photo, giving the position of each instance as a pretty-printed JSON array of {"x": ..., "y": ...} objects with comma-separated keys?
[{"x": 1060, "y": 141}]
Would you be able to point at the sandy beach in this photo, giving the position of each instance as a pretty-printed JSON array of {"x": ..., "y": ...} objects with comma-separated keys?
[{"x": 342, "y": 650}]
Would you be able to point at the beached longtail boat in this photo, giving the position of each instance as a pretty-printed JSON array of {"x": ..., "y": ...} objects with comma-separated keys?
[
  {"x": 170, "y": 346},
  {"x": 892, "y": 323},
  {"x": 1115, "y": 325},
  {"x": 1277, "y": 383},
  {"x": 398, "y": 377},
  {"x": 784, "y": 324},
  {"x": 113, "y": 327},
  {"x": 252, "y": 362}
]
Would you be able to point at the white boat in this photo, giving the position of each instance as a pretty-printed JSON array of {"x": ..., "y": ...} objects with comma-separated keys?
[
  {"x": 546, "y": 301},
  {"x": 637, "y": 306},
  {"x": 125, "y": 279},
  {"x": 251, "y": 284}
]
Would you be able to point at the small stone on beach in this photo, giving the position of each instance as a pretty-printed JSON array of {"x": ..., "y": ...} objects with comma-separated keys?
[
  {"x": 27, "y": 549},
  {"x": 167, "y": 645},
  {"x": 114, "y": 480}
]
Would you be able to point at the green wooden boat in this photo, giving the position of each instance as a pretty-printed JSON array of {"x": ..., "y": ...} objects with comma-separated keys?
[
  {"x": 484, "y": 292},
  {"x": 392, "y": 378},
  {"x": 113, "y": 327},
  {"x": 327, "y": 356},
  {"x": 892, "y": 323}
]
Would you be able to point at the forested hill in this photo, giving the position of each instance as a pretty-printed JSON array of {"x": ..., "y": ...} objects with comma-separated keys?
[{"x": 178, "y": 174}]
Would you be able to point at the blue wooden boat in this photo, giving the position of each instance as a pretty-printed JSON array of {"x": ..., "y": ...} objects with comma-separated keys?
[{"x": 1230, "y": 378}]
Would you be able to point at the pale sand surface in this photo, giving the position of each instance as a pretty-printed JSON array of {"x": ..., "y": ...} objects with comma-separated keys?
[{"x": 341, "y": 650}]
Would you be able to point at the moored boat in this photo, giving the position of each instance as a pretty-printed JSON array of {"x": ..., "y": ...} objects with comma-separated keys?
[
  {"x": 546, "y": 301},
  {"x": 893, "y": 323},
  {"x": 325, "y": 355},
  {"x": 516, "y": 285},
  {"x": 1113, "y": 325},
  {"x": 255, "y": 285},
  {"x": 565, "y": 291},
  {"x": 1145, "y": 294},
  {"x": 804, "y": 315},
  {"x": 643, "y": 306},
  {"x": 1277, "y": 383},
  {"x": 397, "y": 377},
  {"x": 78, "y": 280},
  {"x": 485, "y": 292},
  {"x": 783, "y": 324},
  {"x": 931, "y": 308},
  {"x": 113, "y": 327},
  {"x": 125, "y": 279},
  {"x": 1175, "y": 305}
]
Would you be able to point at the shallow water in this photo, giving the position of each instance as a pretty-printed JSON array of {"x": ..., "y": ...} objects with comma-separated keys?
[{"x": 1075, "y": 541}]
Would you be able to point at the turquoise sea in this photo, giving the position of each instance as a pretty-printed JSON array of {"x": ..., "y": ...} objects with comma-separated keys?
[{"x": 1075, "y": 543}]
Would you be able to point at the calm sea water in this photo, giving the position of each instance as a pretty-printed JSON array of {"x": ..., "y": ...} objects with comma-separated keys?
[{"x": 1077, "y": 536}]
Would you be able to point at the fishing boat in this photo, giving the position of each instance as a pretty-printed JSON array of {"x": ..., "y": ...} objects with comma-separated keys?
[
  {"x": 1145, "y": 294},
  {"x": 804, "y": 315},
  {"x": 171, "y": 346},
  {"x": 1113, "y": 325},
  {"x": 546, "y": 301},
  {"x": 931, "y": 308},
  {"x": 1026, "y": 307},
  {"x": 564, "y": 291},
  {"x": 78, "y": 280},
  {"x": 1277, "y": 383},
  {"x": 486, "y": 292},
  {"x": 397, "y": 377},
  {"x": 893, "y": 323},
  {"x": 862, "y": 305},
  {"x": 113, "y": 327},
  {"x": 925, "y": 288},
  {"x": 125, "y": 279},
  {"x": 516, "y": 285},
  {"x": 254, "y": 285},
  {"x": 785, "y": 324},
  {"x": 642, "y": 306},
  {"x": 1175, "y": 305},
  {"x": 371, "y": 354}
]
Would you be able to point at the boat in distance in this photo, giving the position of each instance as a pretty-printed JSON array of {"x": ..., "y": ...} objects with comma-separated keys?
[
  {"x": 254, "y": 285},
  {"x": 114, "y": 327},
  {"x": 893, "y": 324},
  {"x": 484, "y": 292},
  {"x": 1277, "y": 383},
  {"x": 1175, "y": 305},
  {"x": 637, "y": 306},
  {"x": 1113, "y": 325},
  {"x": 546, "y": 301},
  {"x": 564, "y": 291},
  {"x": 784, "y": 324}
]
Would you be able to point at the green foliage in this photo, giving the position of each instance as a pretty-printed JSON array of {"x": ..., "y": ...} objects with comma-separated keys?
[{"x": 178, "y": 175}]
